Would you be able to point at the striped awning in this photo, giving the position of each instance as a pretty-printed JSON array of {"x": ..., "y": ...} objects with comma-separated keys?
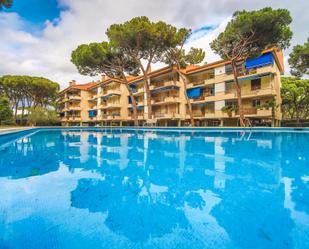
[{"x": 254, "y": 77}]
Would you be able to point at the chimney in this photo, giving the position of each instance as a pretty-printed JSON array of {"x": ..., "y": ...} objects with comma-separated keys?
[{"x": 72, "y": 83}]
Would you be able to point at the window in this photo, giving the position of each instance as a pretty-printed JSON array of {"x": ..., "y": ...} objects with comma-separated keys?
[
  {"x": 255, "y": 84},
  {"x": 256, "y": 103},
  {"x": 230, "y": 102},
  {"x": 228, "y": 69}
]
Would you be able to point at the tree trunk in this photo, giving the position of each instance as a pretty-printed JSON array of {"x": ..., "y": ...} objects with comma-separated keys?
[
  {"x": 297, "y": 120},
  {"x": 238, "y": 91},
  {"x": 148, "y": 95},
  {"x": 187, "y": 98},
  {"x": 22, "y": 111},
  {"x": 133, "y": 106},
  {"x": 273, "y": 116},
  {"x": 15, "y": 112}
]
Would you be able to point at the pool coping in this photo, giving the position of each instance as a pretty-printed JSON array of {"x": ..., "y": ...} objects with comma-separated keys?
[
  {"x": 7, "y": 131},
  {"x": 11, "y": 131}
]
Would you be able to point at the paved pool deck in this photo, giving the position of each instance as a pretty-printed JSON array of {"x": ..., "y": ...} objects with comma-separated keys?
[{"x": 4, "y": 131}]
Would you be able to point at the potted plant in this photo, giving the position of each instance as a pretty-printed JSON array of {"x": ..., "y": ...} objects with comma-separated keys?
[{"x": 229, "y": 109}]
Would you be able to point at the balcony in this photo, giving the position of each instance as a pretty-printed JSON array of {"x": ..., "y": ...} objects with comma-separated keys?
[
  {"x": 139, "y": 117},
  {"x": 73, "y": 108},
  {"x": 200, "y": 114},
  {"x": 102, "y": 106},
  {"x": 115, "y": 116},
  {"x": 208, "y": 81},
  {"x": 165, "y": 100},
  {"x": 93, "y": 98},
  {"x": 159, "y": 115},
  {"x": 139, "y": 103},
  {"x": 165, "y": 84},
  {"x": 138, "y": 91},
  {"x": 245, "y": 73},
  {"x": 112, "y": 105},
  {"x": 248, "y": 111},
  {"x": 74, "y": 118},
  {"x": 74, "y": 97},
  {"x": 110, "y": 92},
  {"x": 248, "y": 93}
]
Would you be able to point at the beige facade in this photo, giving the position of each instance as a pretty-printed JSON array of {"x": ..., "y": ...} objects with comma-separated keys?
[{"x": 209, "y": 88}]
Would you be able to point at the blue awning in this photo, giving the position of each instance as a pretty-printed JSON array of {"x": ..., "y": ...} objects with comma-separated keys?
[
  {"x": 263, "y": 60},
  {"x": 130, "y": 100},
  {"x": 194, "y": 92},
  {"x": 138, "y": 107},
  {"x": 254, "y": 77},
  {"x": 92, "y": 113}
]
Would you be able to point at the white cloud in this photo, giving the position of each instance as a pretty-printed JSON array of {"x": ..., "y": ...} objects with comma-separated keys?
[{"x": 48, "y": 54}]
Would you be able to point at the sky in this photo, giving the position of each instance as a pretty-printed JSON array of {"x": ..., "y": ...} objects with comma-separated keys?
[{"x": 38, "y": 36}]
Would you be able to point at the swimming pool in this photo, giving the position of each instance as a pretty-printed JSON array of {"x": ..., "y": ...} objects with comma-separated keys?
[{"x": 127, "y": 188}]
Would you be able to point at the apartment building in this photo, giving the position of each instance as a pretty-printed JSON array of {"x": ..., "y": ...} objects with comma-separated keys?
[
  {"x": 73, "y": 108},
  {"x": 209, "y": 88}
]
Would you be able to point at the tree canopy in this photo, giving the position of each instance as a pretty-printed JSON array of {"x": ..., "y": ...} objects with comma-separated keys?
[
  {"x": 144, "y": 42},
  {"x": 103, "y": 58},
  {"x": 247, "y": 35},
  {"x": 295, "y": 98},
  {"x": 299, "y": 59},
  {"x": 27, "y": 91},
  {"x": 6, "y": 4},
  {"x": 176, "y": 56},
  {"x": 6, "y": 113},
  {"x": 42, "y": 116},
  {"x": 251, "y": 32},
  {"x": 142, "y": 39}
]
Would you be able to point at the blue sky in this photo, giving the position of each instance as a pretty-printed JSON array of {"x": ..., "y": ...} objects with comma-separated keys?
[
  {"x": 38, "y": 36},
  {"x": 36, "y": 12}
]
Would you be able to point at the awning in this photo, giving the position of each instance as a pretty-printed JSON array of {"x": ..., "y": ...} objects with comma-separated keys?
[
  {"x": 92, "y": 113},
  {"x": 263, "y": 60},
  {"x": 194, "y": 92},
  {"x": 130, "y": 100},
  {"x": 136, "y": 82},
  {"x": 254, "y": 77},
  {"x": 138, "y": 107}
]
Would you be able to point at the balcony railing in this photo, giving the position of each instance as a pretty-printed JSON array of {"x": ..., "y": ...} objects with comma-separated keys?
[
  {"x": 74, "y": 97},
  {"x": 165, "y": 84},
  {"x": 113, "y": 105},
  {"x": 204, "y": 96},
  {"x": 165, "y": 99},
  {"x": 248, "y": 111},
  {"x": 166, "y": 115},
  {"x": 138, "y": 90}
]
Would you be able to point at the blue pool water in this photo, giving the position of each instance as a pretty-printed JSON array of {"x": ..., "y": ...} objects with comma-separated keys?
[{"x": 106, "y": 188}]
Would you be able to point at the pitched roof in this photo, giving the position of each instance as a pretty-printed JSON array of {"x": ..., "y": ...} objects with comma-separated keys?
[{"x": 85, "y": 86}]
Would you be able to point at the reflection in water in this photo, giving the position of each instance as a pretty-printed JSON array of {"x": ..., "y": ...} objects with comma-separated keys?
[{"x": 144, "y": 189}]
